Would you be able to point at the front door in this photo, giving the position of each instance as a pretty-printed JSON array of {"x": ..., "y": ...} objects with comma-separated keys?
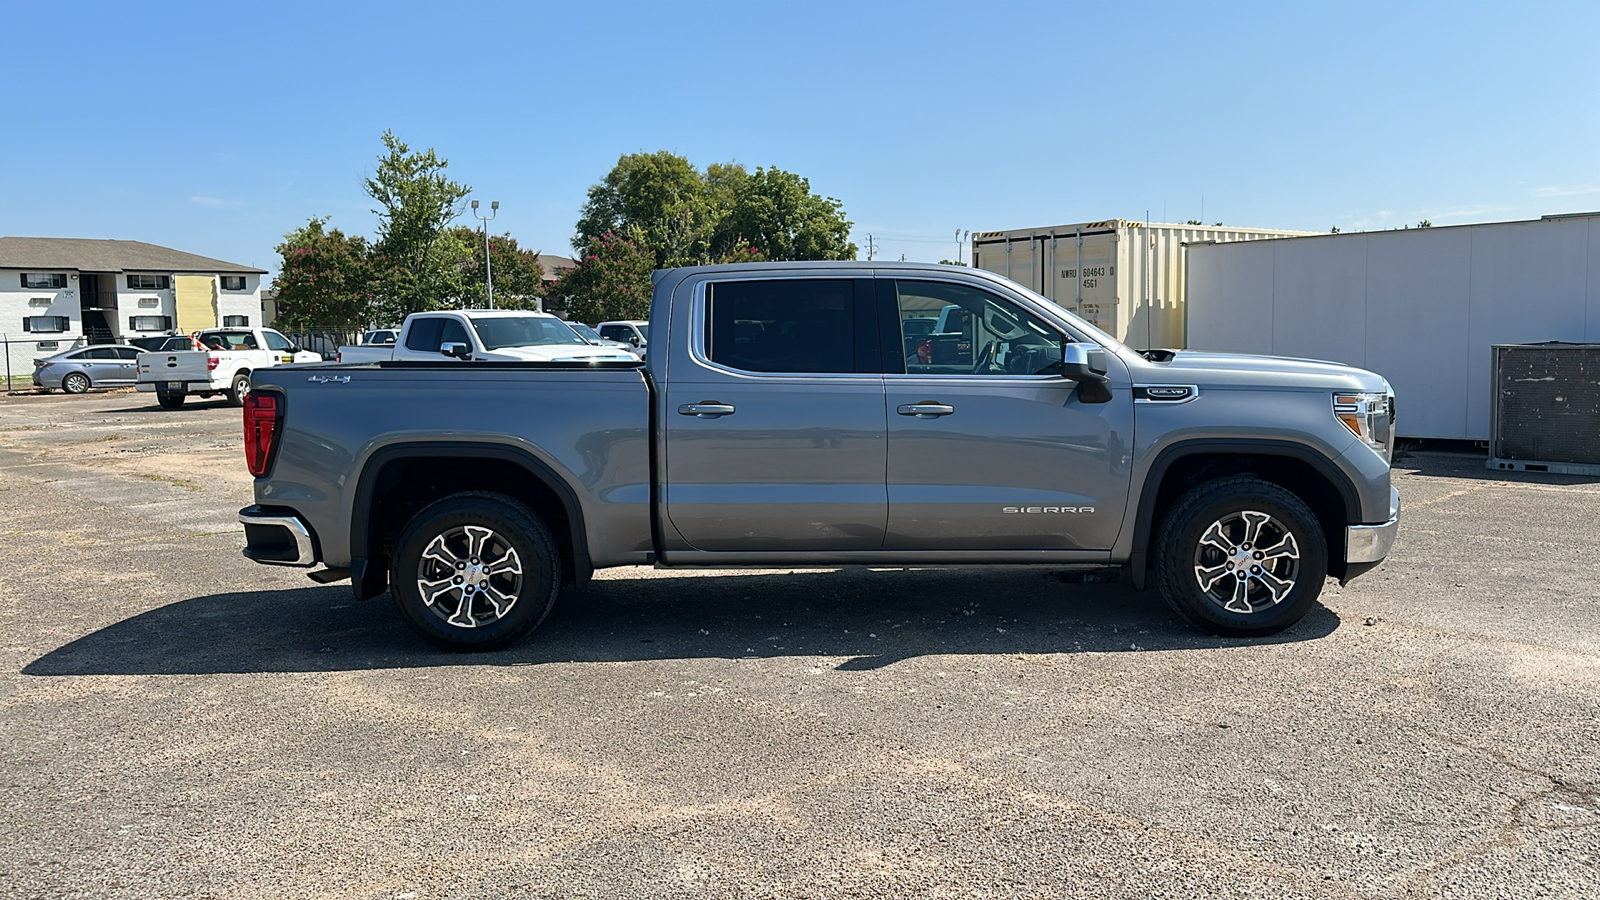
[
  {"x": 774, "y": 418},
  {"x": 989, "y": 447}
]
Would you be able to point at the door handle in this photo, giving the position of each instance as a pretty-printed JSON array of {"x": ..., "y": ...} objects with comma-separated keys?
[
  {"x": 925, "y": 409},
  {"x": 710, "y": 409}
]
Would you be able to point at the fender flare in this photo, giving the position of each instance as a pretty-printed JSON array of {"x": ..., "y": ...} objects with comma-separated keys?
[
  {"x": 368, "y": 581},
  {"x": 1144, "y": 522}
]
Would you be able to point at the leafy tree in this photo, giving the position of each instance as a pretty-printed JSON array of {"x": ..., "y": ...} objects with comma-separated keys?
[
  {"x": 776, "y": 212},
  {"x": 682, "y": 216},
  {"x": 325, "y": 278},
  {"x": 951, "y": 262},
  {"x": 418, "y": 201},
  {"x": 1425, "y": 223},
  {"x": 611, "y": 281},
  {"x": 659, "y": 196},
  {"x": 518, "y": 277}
]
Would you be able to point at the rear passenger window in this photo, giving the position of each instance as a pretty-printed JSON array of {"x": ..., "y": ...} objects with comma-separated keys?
[
  {"x": 424, "y": 334},
  {"x": 798, "y": 325}
]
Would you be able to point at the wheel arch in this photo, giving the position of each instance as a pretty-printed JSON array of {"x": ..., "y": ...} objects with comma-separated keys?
[
  {"x": 1297, "y": 468},
  {"x": 398, "y": 480}
]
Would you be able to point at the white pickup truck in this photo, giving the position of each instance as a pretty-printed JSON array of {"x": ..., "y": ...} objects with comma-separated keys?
[
  {"x": 223, "y": 367},
  {"x": 499, "y": 335}
]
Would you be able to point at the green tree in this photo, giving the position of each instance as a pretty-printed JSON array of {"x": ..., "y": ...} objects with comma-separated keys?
[
  {"x": 776, "y": 212},
  {"x": 418, "y": 200},
  {"x": 325, "y": 277},
  {"x": 682, "y": 216},
  {"x": 611, "y": 281},
  {"x": 658, "y": 197},
  {"x": 518, "y": 277}
]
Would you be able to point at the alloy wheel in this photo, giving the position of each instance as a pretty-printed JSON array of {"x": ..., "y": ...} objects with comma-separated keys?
[
  {"x": 469, "y": 576},
  {"x": 1247, "y": 561}
]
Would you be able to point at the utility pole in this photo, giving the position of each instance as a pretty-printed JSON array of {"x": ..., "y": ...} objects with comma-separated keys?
[
  {"x": 871, "y": 248},
  {"x": 488, "y": 273}
]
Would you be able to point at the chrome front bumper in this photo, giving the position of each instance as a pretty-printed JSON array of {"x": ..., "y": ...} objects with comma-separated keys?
[
  {"x": 274, "y": 539},
  {"x": 1371, "y": 543}
]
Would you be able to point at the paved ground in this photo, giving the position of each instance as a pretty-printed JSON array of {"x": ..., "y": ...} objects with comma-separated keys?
[{"x": 175, "y": 721}]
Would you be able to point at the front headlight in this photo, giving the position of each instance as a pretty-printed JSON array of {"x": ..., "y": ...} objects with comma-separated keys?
[{"x": 1370, "y": 417}]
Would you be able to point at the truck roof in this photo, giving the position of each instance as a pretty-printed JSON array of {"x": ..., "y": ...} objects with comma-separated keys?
[{"x": 488, "y": 313}]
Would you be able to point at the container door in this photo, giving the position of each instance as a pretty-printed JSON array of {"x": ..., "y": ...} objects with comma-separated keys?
[
  {"x": 774, "y": 419},
  {"x": 992, "y": 450},
  {"x": 1021, "y": 259},
  {"x": 1086, "y": 278}
]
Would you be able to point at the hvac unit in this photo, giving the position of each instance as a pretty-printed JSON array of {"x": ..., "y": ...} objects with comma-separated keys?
[{"x": 1546, "y": 408}]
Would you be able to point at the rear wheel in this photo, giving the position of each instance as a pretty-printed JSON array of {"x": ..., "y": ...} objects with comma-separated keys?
[
  {"x": 475, "y": 571},
  {"x": 169, "y": 399},
  {"x": 75, "y": 383},
  {"x": 1240, "y": 557},
  {"x": 240, "y": 387}
]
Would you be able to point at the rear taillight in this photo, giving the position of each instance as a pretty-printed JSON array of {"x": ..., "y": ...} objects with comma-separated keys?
[
  {"x": 212, "y": 362},
  {"x": 263, "y": 416}
]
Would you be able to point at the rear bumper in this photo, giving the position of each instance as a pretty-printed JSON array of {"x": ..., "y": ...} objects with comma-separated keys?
[
  {"x": 1371, "y": 543},
  {"x": 189, "y": 387},
  {"x": 277, "y": 537}
]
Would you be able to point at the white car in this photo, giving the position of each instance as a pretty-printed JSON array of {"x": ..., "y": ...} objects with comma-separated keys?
[
  {"x": 503, "y": 335},
  {"x": 223, "y": 367},
  {"x": 633, "y": 332}
]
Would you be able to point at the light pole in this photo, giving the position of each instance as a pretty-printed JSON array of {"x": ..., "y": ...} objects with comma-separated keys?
[
  {"x": 488, "y": 272},
  {"x": 961, "y": 240}
]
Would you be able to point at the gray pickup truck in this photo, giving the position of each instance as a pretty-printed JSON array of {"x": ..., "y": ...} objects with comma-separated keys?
[{"x": 789, "y": 416}]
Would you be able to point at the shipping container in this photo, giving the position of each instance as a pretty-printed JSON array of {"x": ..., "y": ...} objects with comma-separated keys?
[
  {"x": 1422, "y": 307},
  {"x": 1125, "y": 278}
]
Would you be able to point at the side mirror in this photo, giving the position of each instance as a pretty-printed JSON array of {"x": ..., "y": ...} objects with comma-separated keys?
[
  {"x": 456, "y": 349},
  {"x": 1086, "y": 365},
  {"x": 294, "y": 348}
]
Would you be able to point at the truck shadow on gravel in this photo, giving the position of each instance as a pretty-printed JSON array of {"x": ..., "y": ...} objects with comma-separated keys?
[{"x": 855, "y": 620}]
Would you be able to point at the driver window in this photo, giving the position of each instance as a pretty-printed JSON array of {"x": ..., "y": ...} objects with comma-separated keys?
[
  {"x": 952, "y": 329},
  {"x": 276, "y": 341}
]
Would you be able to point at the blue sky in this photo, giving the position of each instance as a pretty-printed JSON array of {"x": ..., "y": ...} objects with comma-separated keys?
[{"x": 217, "y": 127}]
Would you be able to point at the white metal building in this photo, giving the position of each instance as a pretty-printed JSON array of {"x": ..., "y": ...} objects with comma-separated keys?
[
  {"x": 1422, "y": 307},
  {"x": 56, "y": 293},
  {"x": 1125, "y": 278}
]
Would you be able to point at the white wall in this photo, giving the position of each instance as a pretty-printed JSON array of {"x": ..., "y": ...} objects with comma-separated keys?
[
  {"x": 241, "y": 303},
  {"x": 1421, "y": 307},
  {"x": 128, "y": 303},
  {"x": 23, "y": 347}
]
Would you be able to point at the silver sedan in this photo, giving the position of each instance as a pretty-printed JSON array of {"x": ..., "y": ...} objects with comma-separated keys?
[{"x": 75, "y": 371}]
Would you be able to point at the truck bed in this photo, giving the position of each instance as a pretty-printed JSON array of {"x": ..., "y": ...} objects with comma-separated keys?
[{"x": 587, "y": 423}]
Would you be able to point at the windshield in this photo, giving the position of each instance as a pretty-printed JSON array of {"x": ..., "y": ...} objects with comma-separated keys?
[
  {"x": 585, "y": 332},
  {"x": 523, "y": 331}
]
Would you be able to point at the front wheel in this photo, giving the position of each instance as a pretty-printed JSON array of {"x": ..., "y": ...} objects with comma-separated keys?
[
  {"x": 1240, "y": 557},
  {"x": 475, "y": 571},
  {"x": 75, "y": 383}
]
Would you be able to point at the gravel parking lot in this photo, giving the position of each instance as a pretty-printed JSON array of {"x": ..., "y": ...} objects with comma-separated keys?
[{"x": 178, "y": 721}]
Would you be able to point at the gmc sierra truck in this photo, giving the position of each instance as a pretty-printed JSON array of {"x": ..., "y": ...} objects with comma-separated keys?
[{"x": 781, "y": 422}]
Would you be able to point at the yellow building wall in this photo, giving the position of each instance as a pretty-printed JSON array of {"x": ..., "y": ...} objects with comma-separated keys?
[{"x": 196, "y": 299}]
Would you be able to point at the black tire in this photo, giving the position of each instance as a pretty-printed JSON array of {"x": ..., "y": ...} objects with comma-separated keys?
[
  {"x": 75, "y": 383},
  {"x": 170, "y": 399},
  {"x": 240, "y": 387},
  {"x": 518, "y": 534},
  {"x": 1188, "y": 552}
]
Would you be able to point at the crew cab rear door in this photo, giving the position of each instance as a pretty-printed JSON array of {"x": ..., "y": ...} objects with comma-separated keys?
[
  {"x": 990, "y": 448},
  {"x": 773, "y": 416}
]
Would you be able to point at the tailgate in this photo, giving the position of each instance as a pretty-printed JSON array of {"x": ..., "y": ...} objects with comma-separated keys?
[{"x": 179, "y": 365}]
